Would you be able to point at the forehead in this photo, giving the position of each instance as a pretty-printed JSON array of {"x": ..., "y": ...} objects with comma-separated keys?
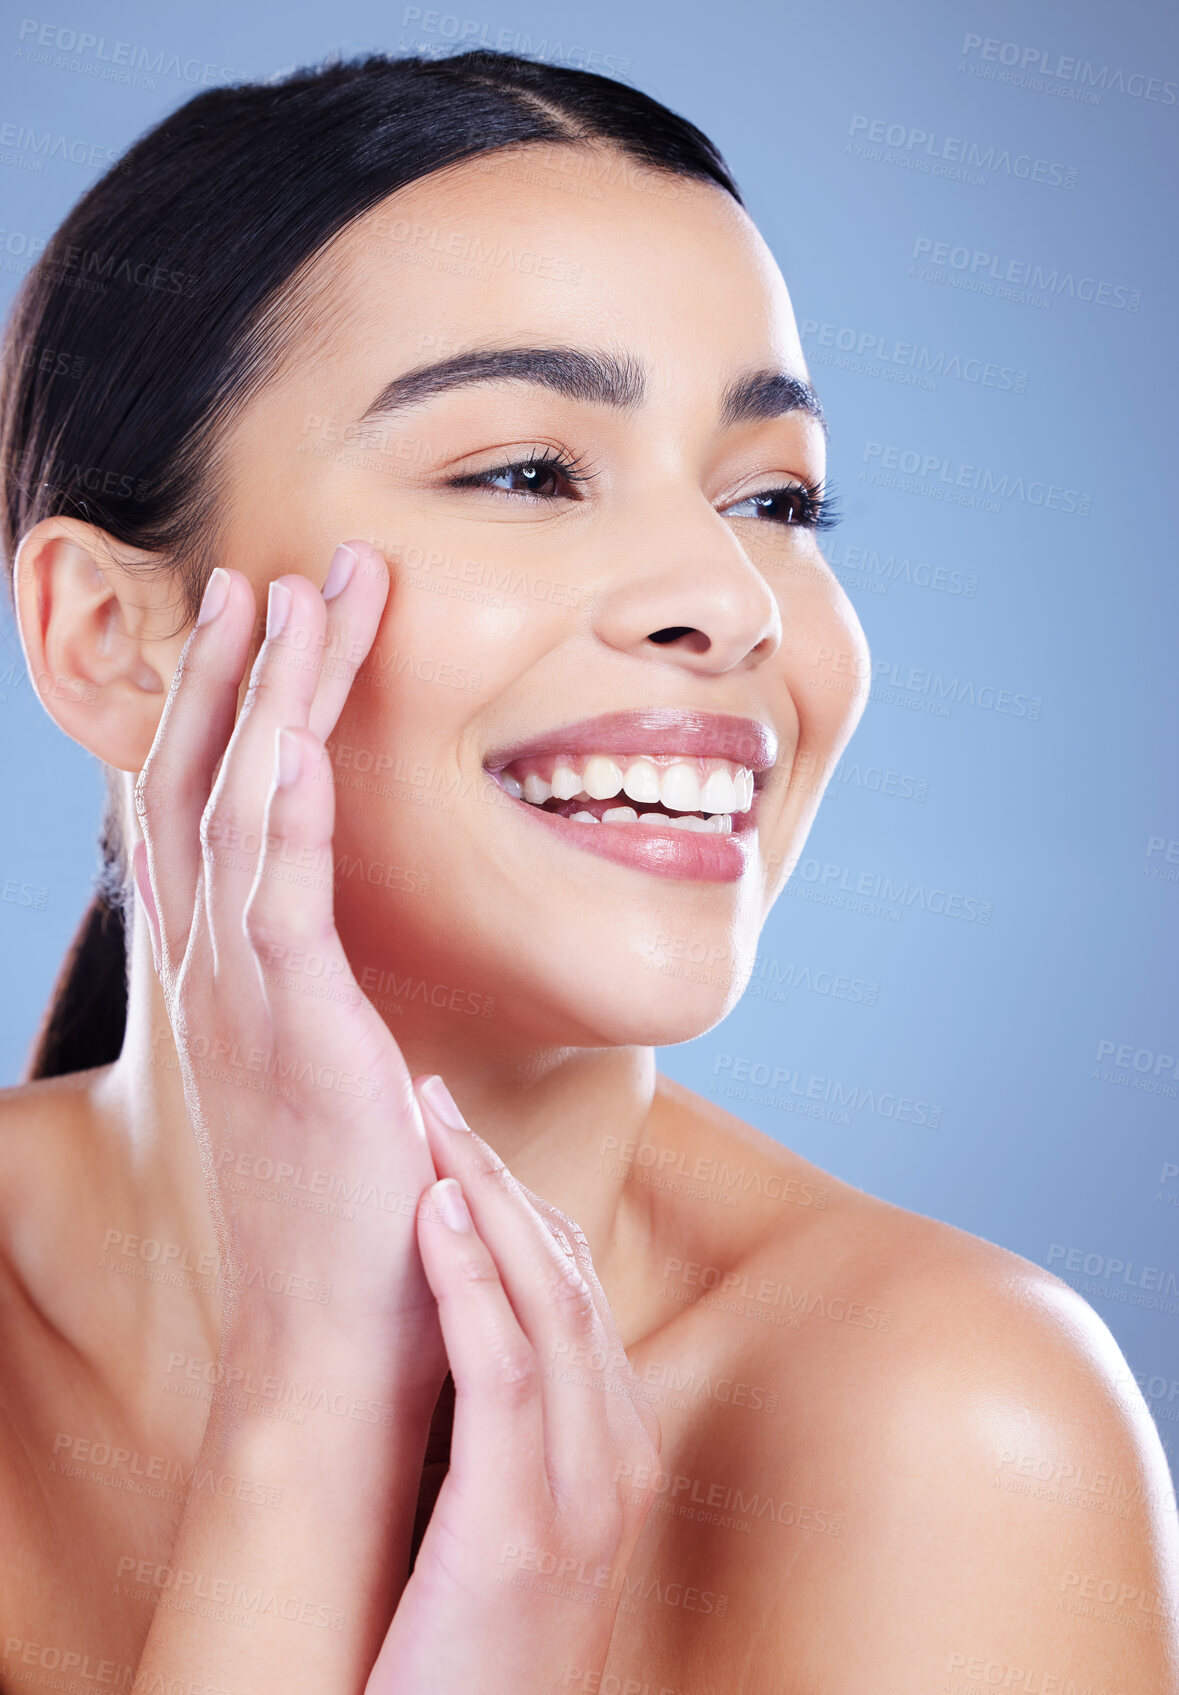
[{"x": 557, "y": 244}]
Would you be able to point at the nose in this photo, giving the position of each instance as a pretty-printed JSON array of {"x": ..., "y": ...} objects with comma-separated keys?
[{"x": 687, "y": 593}]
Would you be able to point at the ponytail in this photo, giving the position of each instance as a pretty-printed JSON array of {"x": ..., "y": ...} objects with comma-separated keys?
[{"x": 86, "y": 1018}]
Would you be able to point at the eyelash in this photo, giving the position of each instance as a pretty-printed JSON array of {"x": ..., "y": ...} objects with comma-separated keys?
[{"x": 816, "y": 499}]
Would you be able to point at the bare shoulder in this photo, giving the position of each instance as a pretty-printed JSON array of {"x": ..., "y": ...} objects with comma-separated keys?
[
  {"x": 975, "y": 1351},
  {"x": 1004, "y": 1505},
  {"x": 55, "y": 1179},
  {"x": 948, "y": 1307},
  {"x": 41, "y": 1127}
]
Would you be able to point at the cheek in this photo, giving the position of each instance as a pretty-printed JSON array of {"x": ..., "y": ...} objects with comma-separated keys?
[
  {"x": 828, "y": 666},
  {"x": 824, "y": 671},
  {"x": 407, "y": 749},
  {"x": 449, "y": 607}
]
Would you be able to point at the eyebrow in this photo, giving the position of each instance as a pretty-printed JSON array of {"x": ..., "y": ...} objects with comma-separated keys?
[{"x": 598, "y": 377}]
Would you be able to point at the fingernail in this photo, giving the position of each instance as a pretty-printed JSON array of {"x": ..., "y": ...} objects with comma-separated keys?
[
  {"x": 439, "y": 1098},
  {"x": 339, "y": 572},
  {"x": 288, "y": 758},
  {"x": 452, "y": 1205},
  {"x": 278, "y": 604},
  {"x": 215, "y": 595}
]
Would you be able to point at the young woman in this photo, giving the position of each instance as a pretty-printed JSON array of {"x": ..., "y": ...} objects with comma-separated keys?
[{"x": 427, "y": 545}]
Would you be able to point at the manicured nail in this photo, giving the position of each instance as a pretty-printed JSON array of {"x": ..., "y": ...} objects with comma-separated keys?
[
  {"x": 288, "y": 758},
  {"x": 339, "y": 572},
  {"x": 441, "y": 1101},
  {"x": 452, "y": 1205},
  {"x": 215, "y": 595},
  {"x": 278, "y": 604}
]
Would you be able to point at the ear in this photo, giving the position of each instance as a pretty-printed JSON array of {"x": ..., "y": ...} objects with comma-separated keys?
[{"x": 100, "y": 637}]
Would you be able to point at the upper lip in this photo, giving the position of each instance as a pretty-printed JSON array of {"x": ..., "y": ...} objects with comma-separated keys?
[{"x": 652, "y": 730}]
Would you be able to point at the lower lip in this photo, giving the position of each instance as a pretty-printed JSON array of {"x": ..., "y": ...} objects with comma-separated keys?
[{"x": 688, "y": 854}]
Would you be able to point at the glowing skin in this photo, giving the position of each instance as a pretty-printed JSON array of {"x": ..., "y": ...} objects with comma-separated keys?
[
  {"x": 646, "y": 548},
  {"x": 840, "y": 1384}
]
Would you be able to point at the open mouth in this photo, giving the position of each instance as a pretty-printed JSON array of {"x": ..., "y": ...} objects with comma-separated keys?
[
  {"x": 672, "y": 791},
  {"x": 669, "y": 792}
]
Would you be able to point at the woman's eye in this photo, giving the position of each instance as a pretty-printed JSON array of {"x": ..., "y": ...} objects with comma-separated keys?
[
  {"x": 781, "y": 505},
  {"x": 531, "y": 477},
  {"x": 528, "y": 476}
]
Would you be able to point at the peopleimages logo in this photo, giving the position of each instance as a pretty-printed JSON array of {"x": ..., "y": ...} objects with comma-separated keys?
[
  {"x": 890, "y": 676},
  {"x": 942, "y": 479},
  {"x": 1146, "y": 1070},
  {"x": 95, "y": 55},
  {"x": 1039, "y": 62},
  {"x": 877, "y": 571},
  {"x": 906, "y": 361},
  {"x": 30, "y": 147},
  {"x": 1106, "y": 1268},
  {"x": 466, "y": 33},
  {"x": 987, "y": 273},
  {"x": 826, "y": 1090},
  {"x": 878, "y": 894},
  {"x": 928, "y": 151}
]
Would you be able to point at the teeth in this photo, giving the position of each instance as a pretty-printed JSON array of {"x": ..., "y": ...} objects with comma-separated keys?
[
  {"x": 566, "y": 781},
  {"x": 721, "y": 825},
  {"x": 719, "y": 793},
  {"x": 602, "y": 778},
  {"x": 620, "y": 815},
  {"x": 584, "y": 817},
  {"x": 641, "y": 781},
  {"x": 679, "y": 788}
]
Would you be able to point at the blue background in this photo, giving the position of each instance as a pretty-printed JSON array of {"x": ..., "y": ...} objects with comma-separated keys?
[{"x": 969, "y": 984}]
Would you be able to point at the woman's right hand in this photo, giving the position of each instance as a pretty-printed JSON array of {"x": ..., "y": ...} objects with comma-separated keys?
[
  {"x": 329, "y": 1302},
  {"x": 310, "y": 1134}
]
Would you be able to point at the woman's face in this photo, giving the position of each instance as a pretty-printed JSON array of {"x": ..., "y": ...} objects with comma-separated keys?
[{"x": 645, "y": 587}]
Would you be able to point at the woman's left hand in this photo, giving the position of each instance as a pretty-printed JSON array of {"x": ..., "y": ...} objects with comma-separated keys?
[{"x": 519, "y": 1575}]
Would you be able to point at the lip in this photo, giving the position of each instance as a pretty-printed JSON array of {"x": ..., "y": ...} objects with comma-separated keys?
[
  {"x": 688, "y": 855},
  {"x": 656, "y": 729},
  {"x": 669, "y": 852}
]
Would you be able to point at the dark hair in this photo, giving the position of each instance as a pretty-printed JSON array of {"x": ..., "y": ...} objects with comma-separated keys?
[{"x": 164, "y": 301}]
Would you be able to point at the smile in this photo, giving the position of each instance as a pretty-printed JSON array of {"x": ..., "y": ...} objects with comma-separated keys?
[
  {"x": 669, "y": 792},
  {"x": 686, "y": 794}
]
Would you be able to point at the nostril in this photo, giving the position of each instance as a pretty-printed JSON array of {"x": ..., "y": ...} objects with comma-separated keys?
[{"x": 696, "y": 640}]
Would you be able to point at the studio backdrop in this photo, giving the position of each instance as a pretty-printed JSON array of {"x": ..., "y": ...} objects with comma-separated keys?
[{"x": 965, "y": 999}]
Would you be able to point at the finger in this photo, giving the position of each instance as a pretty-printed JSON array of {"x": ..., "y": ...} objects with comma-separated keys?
[
  {"x": 355, "y": 591},
  {"x": 172, "y": 789},
  {"x": 549, "y": 1295},
  {"x": 619, "y": 1364},
  {"x": 498, "y": 1441},
  {"x": 624, "y": 1394},
  {"x": 282, "y": 686},
  {"x": 314, "y": 1003},
  {"x": 289, "y": 920}
]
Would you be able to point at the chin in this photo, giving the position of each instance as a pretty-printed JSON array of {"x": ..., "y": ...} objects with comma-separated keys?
[{"x": 655, "y": 994}]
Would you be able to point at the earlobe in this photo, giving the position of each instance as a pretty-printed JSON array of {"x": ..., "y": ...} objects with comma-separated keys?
[{"x": 86, "y": 618}]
